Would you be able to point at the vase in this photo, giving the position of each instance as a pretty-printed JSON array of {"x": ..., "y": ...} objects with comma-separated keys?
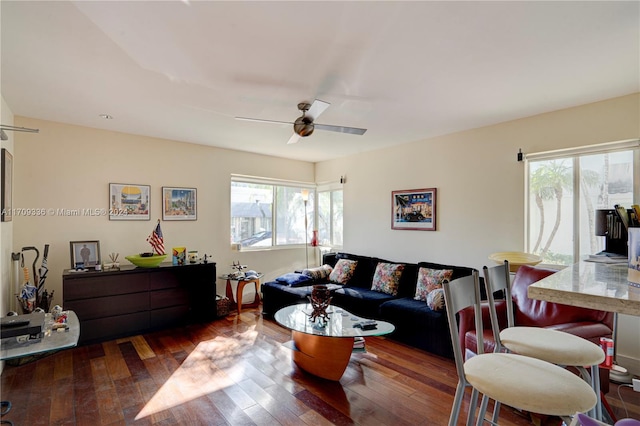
[{"x": 314, "y": 238}]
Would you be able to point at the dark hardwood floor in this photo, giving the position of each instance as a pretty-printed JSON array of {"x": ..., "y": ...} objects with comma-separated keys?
[{"x": 235, "y": 371}]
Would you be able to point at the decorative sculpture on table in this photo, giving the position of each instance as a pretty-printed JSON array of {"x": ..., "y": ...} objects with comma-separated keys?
[
  {"x": 238, "y": 267},
  {"x": 320, "y": 299}
]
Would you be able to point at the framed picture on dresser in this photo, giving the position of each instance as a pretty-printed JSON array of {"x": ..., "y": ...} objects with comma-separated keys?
[{"x": 85, "y": 254}]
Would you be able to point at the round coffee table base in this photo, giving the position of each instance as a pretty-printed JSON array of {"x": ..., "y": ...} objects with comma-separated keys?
[{"x": 322, "y": 356}]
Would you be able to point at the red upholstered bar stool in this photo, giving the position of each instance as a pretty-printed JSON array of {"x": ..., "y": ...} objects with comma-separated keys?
[
  {"x": 556, "y": 347},
  {"x": 518, "y": 381}
]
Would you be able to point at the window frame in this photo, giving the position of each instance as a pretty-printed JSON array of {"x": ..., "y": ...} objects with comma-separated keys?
[
  {"x": 574, "y": 155},
  {"x": 330, "y": 188},
  {"x": 275, "y": 184}
]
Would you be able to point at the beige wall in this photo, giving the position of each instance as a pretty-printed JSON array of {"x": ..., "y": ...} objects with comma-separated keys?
[
  {"x": 70, "y": 167},
  {"x": 6, "y": 228},
  {"x": 480, "y": 203}
]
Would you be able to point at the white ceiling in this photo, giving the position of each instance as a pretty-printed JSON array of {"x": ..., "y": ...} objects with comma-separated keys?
[{"x": 406, "y": 71}]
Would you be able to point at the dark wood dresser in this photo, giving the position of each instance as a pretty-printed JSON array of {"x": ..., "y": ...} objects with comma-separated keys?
[{"x": 112, "y": 304}]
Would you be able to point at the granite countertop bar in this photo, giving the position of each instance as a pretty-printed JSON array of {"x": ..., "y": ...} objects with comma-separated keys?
[{"x": 590, "y": 285}]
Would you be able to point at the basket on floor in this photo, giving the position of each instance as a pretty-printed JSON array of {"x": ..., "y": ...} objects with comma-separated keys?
[{"x": 222, "y": 306}]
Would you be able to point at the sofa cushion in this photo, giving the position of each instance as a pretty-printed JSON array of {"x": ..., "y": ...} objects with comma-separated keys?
[
  {"x": 318, "y": 274},
  {"x": 359, "y": 301},
  {"x": 387, "y": 278},
  {"x": 363, "y": 274},
  {"x": 429, "y": 280},
  {"x": 343, "y": 271},
  {"x": 418, "y": 325},
  {"x": 435, "y": 299},
  {"x": 294, "y": 279}
]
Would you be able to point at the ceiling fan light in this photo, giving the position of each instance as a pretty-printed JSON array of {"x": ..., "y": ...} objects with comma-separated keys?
[{"x": 303, "y": 126}]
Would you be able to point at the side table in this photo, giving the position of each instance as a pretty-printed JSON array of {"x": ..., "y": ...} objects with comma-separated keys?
[
  {"x": 11, "y": 348},
  {"x": 240, "y": 287}
]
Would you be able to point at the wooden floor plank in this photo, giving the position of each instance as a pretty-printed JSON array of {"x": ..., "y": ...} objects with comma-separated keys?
[
  {"x": 232, "y": 412},
  {"x": 235, "y": 371},
  {"x": 61, "y": 403},
  {"x": 140, "y": 345},
  {"x": 150, "y": 410},
  {"x": 116, "y": 365}
]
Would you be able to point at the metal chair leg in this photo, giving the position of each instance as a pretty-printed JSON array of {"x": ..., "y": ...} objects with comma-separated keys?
[{"x": 457, "y": 403}]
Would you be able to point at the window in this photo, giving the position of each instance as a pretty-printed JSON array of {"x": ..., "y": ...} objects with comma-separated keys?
[
  {"x": 330, "y": 217},
  {"x": 268, "y": 213},
  {"x": 566, "y": 187}
]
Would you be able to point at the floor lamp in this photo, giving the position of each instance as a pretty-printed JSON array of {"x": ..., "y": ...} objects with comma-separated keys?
[{"x": 305, "y": 199}]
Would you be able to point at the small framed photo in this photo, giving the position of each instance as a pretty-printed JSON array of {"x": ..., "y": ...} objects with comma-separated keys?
[
  {"x": 7, "y": 177},
  {"x": 414, "y": 209},
  {"x": 179, "y": 203},
  {"x": 129, "y": 201},
  {"x": 85, "y": 254}
]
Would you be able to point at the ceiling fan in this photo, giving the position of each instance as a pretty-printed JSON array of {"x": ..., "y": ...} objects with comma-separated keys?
[{"x": 304, "y": 125}]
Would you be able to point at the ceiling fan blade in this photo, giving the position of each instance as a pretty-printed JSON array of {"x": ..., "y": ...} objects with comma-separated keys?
[
  {"x": 317, "y": 108},
  {"x": 340, "y": 129},
  {"x": 293, "y": 139},
  {"x": 262, "y": 121}
]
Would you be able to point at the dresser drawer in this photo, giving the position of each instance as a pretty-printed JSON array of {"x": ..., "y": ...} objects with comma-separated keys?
[
  {"x": 107, "y": 328},
  {"x": 168, "y": 297},
  {"x": 110, "y": 306},
  {"x": 97, "y": 286}
]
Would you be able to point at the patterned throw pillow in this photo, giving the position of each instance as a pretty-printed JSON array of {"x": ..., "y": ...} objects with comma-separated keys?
[
  {"x": 429, "y": 280},
  {"x": 343, "y": 271},
  {"x": 435, "y": 299},
  {"x": 387, "y": 278},
  {"x": 318, "y": 274}
]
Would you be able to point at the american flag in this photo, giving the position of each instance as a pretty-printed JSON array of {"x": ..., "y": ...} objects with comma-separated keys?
[{"x": 156, "y": 240}]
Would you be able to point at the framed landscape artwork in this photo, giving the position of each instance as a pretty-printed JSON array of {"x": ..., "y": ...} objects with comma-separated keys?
[
  {"x": 179, "y": 203},
  {"x": 414, "y": 209},
  {"x": 128, "y": 201}
]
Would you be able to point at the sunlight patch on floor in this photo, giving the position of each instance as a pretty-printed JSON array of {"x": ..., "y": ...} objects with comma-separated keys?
[{"x": 201, "y": 372}]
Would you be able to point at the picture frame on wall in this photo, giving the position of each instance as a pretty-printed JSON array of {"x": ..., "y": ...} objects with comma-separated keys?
[
  {"x": 129, "y": 201},
  {"x": 414, "y": 209},
  {"x": 179, "y": 203},
  {"x": 6, "y": 160},
  {"x": 85, "y": 254}
]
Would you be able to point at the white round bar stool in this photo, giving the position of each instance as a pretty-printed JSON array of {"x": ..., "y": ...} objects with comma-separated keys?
[
  {"x": 556, "y": 347},
  {"x": 529, "y": 384},
  {"x": 521, "y": 382}
]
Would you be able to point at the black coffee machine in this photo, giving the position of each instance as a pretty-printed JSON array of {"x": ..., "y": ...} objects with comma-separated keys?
[{"x": 610, "y": 225}]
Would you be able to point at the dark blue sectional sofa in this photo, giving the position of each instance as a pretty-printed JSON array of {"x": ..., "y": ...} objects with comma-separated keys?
[{"x": 416, "y": 324}]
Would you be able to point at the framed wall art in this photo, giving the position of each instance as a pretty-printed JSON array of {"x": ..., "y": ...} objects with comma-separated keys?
[
  {"x": 414, "y": 209},
  {"x": 7, "y": 185},
  {"x": 84, "y": 254},
  {"x": 179, "y": 203},
  {"x": 129, "y": 201}
]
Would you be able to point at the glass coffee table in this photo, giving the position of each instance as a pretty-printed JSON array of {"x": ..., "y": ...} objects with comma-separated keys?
[{"x": 324, "y": 351}]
